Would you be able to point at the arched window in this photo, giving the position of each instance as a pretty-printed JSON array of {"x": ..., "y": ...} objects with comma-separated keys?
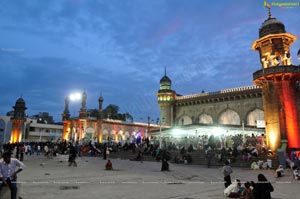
[
  {"x": 255, "y": 115},
  {"x": 229, "y": 117},
  {"x": 205, "y": 119},
  {"x": 184, "y": 120}
]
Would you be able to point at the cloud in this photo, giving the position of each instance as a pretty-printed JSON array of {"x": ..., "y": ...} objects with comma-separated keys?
[{"x": 51, "y": 48}]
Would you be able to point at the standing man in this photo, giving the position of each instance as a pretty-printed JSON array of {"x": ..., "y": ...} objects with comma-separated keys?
[
  {"x": 209, "y": 156},
  {"x": 8, "y": 173},
  {"x": 227, "y": 170}
]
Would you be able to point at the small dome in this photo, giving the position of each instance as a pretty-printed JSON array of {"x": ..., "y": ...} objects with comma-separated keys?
[
  {"x": 20, "y": 102},
  {"x": 271, "y": 26},
  {"x": 165, "y": 79}
]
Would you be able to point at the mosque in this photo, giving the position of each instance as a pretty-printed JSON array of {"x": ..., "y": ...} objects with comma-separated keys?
[{"x": 271, "y": 106}]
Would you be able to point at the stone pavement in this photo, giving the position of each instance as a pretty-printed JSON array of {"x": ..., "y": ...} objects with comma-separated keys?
[{"x": 51, "y": 178}]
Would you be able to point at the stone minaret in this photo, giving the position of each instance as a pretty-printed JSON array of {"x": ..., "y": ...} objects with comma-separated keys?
[
  {"x": 66, "y": 114},
  {"x": 166, "y": 97},
  {"x": 18, "y": 121},
  {"x": 83, "y": 111},
  {"x": 278, "y": 78},
  {"x": 100, "y": 100}
]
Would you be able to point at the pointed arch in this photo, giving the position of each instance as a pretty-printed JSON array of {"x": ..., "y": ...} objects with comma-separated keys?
[
  {"x": 184, "y": 120},
  {"x": 229, "y": 117},
  {"x": 205, "y": 119},
  {"x": 254, "y": 115}
]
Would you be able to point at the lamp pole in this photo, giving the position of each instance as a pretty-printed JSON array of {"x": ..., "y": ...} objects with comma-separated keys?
[
  {"x": 160, "y": 140},
  {"x": 160, "y": 134},
  {"x": 148, "y": 124}
]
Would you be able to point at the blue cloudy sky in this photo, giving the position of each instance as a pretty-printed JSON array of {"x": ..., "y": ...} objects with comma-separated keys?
[{"x": 49, "y": 49}]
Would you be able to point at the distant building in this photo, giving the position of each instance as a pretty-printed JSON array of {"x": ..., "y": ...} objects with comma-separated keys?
[
  {"x": 86, "y": 128},
  {"x": 36, "y": 131},
  {"x": 17, "y": 127},
  {"x": 44, "y": 117}
]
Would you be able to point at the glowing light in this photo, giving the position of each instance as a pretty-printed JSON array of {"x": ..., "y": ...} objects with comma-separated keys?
[
  {"x": 273, "y": 138},
  {"x": 75, "y": 96}
]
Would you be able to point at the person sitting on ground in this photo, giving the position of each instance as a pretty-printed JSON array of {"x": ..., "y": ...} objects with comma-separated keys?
[
  {"x": 234, "y": 190},
  {"x": 139, "y": 157},
  {"x": 279, "y": 171},
  {"x": 247, "y": 192},
  {"x": 178, "y": 159},
  {"x": 254, "y": 165},
  {"x": 254, "y": 152},
  {"x": 265, "y": 165},
  {"x": 108, "y": 165},
  {"x": 187, "y": 159},
  {"x": 296, "y": 173},
  {"x": 263, "y": 188}
]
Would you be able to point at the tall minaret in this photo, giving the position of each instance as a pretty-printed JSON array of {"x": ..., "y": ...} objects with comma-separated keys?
[
  {"x": 278, "y": 78},
  {"x": 18, "y": 121},
  {"x": 166, "y": 97},
  {"x": 65, "y": 119},
  {"x": 83, "y": 111},
  {"x": 66, "y": 114},
  {"x": 100, "y": 100}
]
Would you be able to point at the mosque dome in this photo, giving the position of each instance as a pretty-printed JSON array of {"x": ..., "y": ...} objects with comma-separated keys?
[
  {"x": 19, "y": 109},
  {"x": 20, "y": 103},
  {"x": 271, "y": 26},
  {"x": 165, "y": 79}
]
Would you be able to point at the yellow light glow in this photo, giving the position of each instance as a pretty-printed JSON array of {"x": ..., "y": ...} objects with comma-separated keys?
[{"x": 272, "y": 139}]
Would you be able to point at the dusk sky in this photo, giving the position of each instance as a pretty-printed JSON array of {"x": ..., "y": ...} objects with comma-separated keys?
[{"x": 52, "y": 48}]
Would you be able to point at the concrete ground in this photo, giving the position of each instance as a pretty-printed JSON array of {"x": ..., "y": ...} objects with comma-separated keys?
[{"x": 51, "y": 178}]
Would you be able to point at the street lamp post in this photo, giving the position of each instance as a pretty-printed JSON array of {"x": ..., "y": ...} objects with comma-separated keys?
[
  {"x": 148, "y": 124},
  {"x": 160, "y": 140}
]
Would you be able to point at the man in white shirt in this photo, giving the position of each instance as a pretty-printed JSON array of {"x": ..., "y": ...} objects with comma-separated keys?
[{"x": 8, "y": 173}]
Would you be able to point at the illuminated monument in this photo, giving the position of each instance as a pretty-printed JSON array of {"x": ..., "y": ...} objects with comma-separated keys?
[
  {"x": 278, "y": 79},
  {"x": 271, "y": 107},
  {"x": 166, "y": 98},
  {"x": 86, "y": 127},
  {"x": 18, "y": 121}
]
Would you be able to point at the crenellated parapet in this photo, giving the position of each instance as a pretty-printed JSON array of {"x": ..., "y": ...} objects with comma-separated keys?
[{"x": 239, "y": 93}]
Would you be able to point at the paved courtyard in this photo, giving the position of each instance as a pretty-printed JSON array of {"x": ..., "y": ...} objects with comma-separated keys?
[{"x": 51, "y": 178}]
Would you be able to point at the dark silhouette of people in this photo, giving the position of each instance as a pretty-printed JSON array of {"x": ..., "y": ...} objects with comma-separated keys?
[
  {"x": 263, "y": 188},
  {"x": 72, "y": 155},
  {"x": 104, "y": 148},
  {"x": 165, "y": 157}
]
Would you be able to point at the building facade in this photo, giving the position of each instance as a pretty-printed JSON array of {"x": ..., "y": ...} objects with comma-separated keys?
[
  {"x": 273, "y": 103},
  {"x": 86, "y": 128},
  {"x": 18, "y": 127}
]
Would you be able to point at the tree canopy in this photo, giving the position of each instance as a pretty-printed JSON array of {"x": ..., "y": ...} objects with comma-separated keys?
[{"x": 112, "y": 112}]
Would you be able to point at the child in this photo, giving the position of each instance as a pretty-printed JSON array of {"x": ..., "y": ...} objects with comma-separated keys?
[
  {"x": 279, "y": 171},
  {"x": 233, "y": 190},
  {"x": 247, "y": 192},
  {"x": 296, "y": 173},
  {"x": 108, "y": 165},
  {"x": 227, "y": 170}
]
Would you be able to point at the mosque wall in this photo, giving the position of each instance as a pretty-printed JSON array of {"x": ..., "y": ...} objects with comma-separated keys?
[{"x": 232, "y": 112}]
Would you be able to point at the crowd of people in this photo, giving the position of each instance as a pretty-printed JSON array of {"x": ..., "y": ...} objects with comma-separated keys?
[
  {"x": 227, "y": 151},
  {"x": 260, "y": 190}
]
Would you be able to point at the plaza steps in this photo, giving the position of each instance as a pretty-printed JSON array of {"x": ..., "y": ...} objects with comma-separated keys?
[{"x": 198, "y": 158}]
